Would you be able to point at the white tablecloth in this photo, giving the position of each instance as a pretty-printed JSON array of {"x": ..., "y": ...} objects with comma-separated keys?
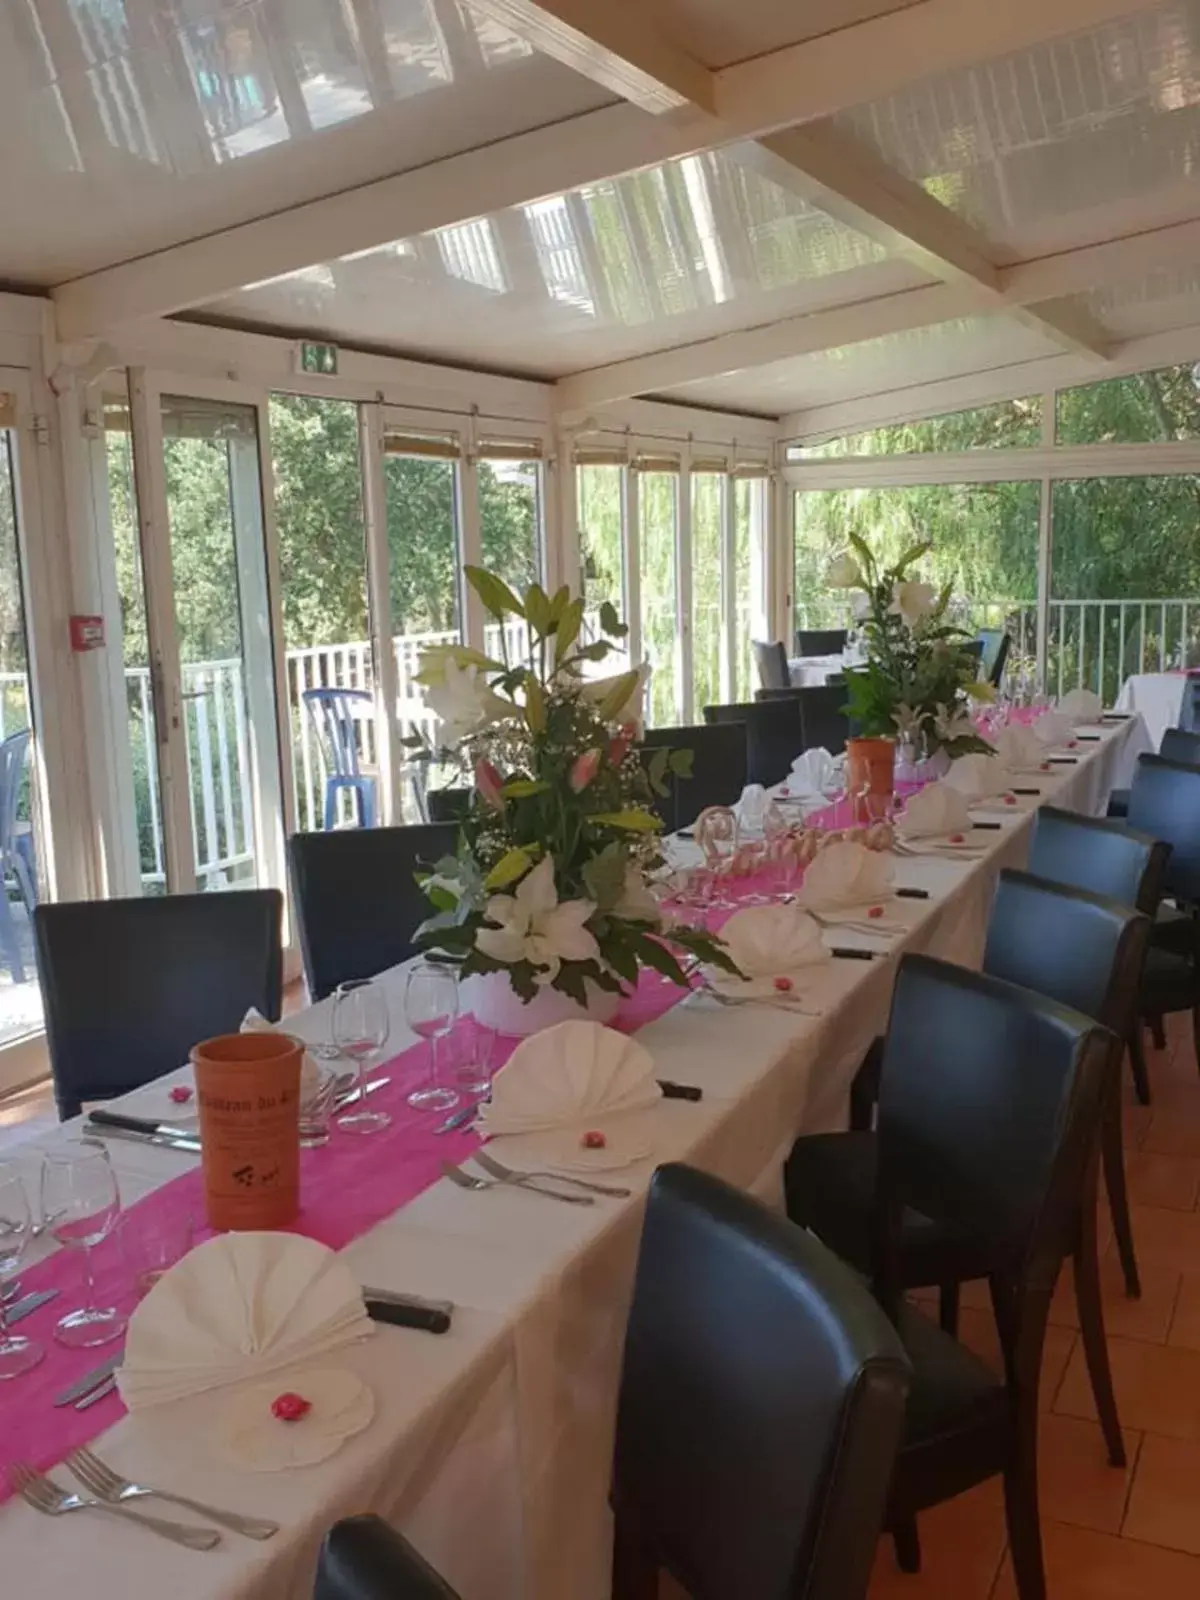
[
  {"x": 492, "y": 1444},
  {"x": 805, "y": 671},
  {"x": 1158, "y": 697}
]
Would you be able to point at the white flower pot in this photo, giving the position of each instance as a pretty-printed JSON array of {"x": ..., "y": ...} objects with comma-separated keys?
[{"x": 496, "y": 1004}]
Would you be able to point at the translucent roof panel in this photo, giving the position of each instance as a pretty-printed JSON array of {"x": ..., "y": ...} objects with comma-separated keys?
[
  {"x": 1076, "y": 140},
  {"x": 719, "y": 33},
  {"x": 901, "y": 361},
  {"x": 1154, "y": 304},
  {"x": 677, "y": 252},
  {"x": 143, "y": 122}
]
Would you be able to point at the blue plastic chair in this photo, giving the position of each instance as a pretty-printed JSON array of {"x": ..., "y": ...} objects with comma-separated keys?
[
  {"x": 332, "y": 711},
  {"x": 14, "y": 856}
]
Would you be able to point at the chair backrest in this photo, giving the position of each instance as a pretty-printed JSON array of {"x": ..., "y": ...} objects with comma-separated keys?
[
  {"x": 719, "y": 769},
  {"x": 357, "y": 900},
  {"x": 1083, "y": 950},
  {"x": 771, "y": 661},
  {"x": 1182, "y": 745},
  {"x": 13, "y": 752},
  {"x": 820, "y": 641},
  {"x": 774, "y": 734},
  {"x": 994, "y": 645},
  {"x": 972, "y": 649},
  {"x": 824, "y": 721},
  {"x": 1103, "y": 857},
  {"x": 363, "y": 1559},
  {"x": 332, "y": 711},
  {"x": 989, "y": 1104},
  {"x": 762, "y": 1398},
  {"x": 130, "y": 986},
  {"x": 1164, "y": 802},
  {"x": 447, "y": 805}
]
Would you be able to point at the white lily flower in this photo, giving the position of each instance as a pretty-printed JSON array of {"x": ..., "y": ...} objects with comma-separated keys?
[
  {"x": 637, "y": 901},
  {"x": 913, "y": 601},
  {"x": 952, "y": 722},
  {"x": 535, "y": 926},
  {"x": 630, "y": 709},
  {"x": 463, "y": 703},
  {"x": 845, "y": 573}
]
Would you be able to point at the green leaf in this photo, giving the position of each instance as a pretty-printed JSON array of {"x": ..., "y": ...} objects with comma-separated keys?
[
  {"x": 632, "y": 820},
  {"x": 610, "y": 622},
  {"x": 616, "y": 697},
  {"x": 652, "y": 953},
  {"x": 569, "y": 624},
  {"x": 513, "y": 864},
  {"x": 594, "y": 652},
  {"x": 559, "y": 604},
  {"x": 656, "y": 771},
  {"x": 681, "y": 762},
  {"x": 537, "y": 609},
  {"x": 621, "y": 958},
  {"x": 913, "y": 553},
  {"x": 497, "y": 597},
  {"x": 535, "y": 704},
  {"x": 440, "y": 898},
  {"x": 604, "y": 875},
  {"x": 522, "y": 788}
]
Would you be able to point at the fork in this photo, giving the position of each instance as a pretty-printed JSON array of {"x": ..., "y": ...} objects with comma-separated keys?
[
  {"x": 43, "y": 1494},
  {"x": 467, "y": 1180},
  {"x": 515, "y": 1175},
  {"x": 110, "y": 1486}
]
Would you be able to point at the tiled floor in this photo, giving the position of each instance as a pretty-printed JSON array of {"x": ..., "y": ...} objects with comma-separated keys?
[{"x": 1109, "y": 1535}]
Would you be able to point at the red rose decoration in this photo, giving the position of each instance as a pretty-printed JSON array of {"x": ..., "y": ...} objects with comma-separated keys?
[
  {"x": 594, "y": 1140},
  {"x": 875, "y": 911},
  {"x": 1010, "y": 799},
  {"x": 784, "y": 984},
  {"x": 180, "y": 1094},
  {"x": 290, "y": 1407},
  {"x": 958, "y": 838}
]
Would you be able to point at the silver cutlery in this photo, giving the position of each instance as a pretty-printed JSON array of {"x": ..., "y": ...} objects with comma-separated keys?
[
  {"x": 189, "y": 1143},
  {"x": 350, "y": 1096},
  {"x": 516, "y": 1175},
  {"x": 462, "y": 1118},
  {"x": 94, "y": 1396},
  {"x": 109, "y": 1486},
  {"x": 467, "y": 1180},
  {"x": 43, "y": 1494},
  {"x": 776, "y": 1003},
  {"x": 14, "y": 1310},
  {"x": 89, "y": 1381},
  {"x": 9, "y": 1291}
]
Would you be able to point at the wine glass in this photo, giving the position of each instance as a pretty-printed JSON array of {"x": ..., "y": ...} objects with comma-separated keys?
[
  {"x": 17, "y": 1353},
  {"x": 431, "y": 1010},
  {"x": 80, "y": 1206},
  {"x": 360, "y": 1030}
]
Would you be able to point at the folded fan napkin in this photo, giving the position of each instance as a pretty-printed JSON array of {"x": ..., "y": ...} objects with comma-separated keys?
[
  {"x": 570, "y": 1076},
  {"x": 977, "y": 776},
  {"x": 766, "y": 942},
  {"x": 1081, "y": 705},
  {"x": 310, "y": 1072},
  {"x": 236, "y": 1307},
  {"x": 1052, "y": 728},
  {"x": 846, "y": 874},
  {"x": 815, "y": 772},
  {"x": 937, "y": 809},
  {"x": 1018, "y": 746}
]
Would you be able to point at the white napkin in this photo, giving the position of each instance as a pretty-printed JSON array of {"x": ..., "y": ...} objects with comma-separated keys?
[
  {"x": 235, "y": 1307},
  {"x": 310, "y": 1072},
  {"x": 570, "y": 1076},
  {"x": 1081, "y": 705},
  {"x": 814, "y": 773},
  {"x": 846, "y": 874},
  {"x": 250, "y": 1435},
  {"x": 1052, "y": 728},
  {"x": 1018, "y": 747},
  {"x": 767, "y": 942},
  {"x": 937, "y": 809},
  {"x": 977, "y": 776}
]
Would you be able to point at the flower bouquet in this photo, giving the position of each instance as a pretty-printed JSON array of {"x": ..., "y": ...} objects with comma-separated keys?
[{"x": 550, "y": 883}]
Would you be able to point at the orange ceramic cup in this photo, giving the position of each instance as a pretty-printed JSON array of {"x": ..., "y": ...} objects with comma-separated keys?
[{"x": 248, "y": 1092}]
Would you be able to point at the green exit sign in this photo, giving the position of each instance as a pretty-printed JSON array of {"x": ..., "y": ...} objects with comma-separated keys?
[{"x": 319, "y": 358}]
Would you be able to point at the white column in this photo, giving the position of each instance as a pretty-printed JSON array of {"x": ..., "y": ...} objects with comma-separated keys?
[{"x": 379, "y": 604}]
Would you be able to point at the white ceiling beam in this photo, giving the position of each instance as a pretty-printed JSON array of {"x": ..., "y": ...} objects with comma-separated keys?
[
  {"x": 806, "y": 81},
  {"x": 614, "y": 44}
]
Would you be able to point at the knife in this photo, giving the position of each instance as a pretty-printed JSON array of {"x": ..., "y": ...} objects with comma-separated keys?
[
  {"x": 120, "y": 1119},
  {"x": 89, "y": 1381},
  {"x": 188, "y": 1142},
  {"x": 408, "y": 1310},
  {"x": 459, "y": 1118},
  {"x": 27, "y": 1305},
  {"x": 351, "y": 1095},
  {"x": 100, "y": 1392}
]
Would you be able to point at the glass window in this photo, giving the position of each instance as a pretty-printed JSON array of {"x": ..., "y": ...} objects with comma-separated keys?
[
  {"x": 658, "y": 502},
  {"x": 708, "y": 495},
  {"x": 749, "y": 579},
  {"x": 598, "y": 498},
  {"x": 1147, "y": 408},
  {"x": 1004, "y": 426},
  {"x": 510, "y": 520}
]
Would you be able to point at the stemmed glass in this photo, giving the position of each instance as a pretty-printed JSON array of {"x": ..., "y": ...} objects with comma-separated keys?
[
  {"x": 17, "y": 1353},
  {"x": 360, "y": 1030},
  {"x": 80, "y": 1206},
  {"x": 431, "y": 1010}
]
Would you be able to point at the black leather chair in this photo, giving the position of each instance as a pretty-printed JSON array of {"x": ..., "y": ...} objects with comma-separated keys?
[
  {"x": 718, "y": 769},
  {"x": 820, "y": 641},
  {"x": 363, "y": 1559},
  {"x": 774, "y": 735},
  {"x": 761, "y": 1399},
  {"x": 823, "y": 720},
  {"x": 999, "y": 1153},
  {"x": 995, "y": 645},
  {"x": 129, "y": 986},
  {"x": 1062, "y": 944},
  {"x": 1164, "y": 802},
  {"x": 1177, "y": 744},
  {"x": 772, "y": 663},
  {"x": 447, "y": 805},
  {"x": 357, "y": 901}
]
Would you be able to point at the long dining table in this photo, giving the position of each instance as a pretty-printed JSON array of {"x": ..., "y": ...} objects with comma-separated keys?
[{"x": 491, "y": 1444}]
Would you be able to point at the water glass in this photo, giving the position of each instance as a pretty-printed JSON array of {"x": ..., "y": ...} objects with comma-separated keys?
[
  {"x": 475, "y": 1059},
  {"x": 431, "y": 1010},
  {"x": 17, "y": 1353},
  {"x": 155, "y": 1239},
  {"x": 81, "y": 1205},
  {"x": 360, "y": 1031}
]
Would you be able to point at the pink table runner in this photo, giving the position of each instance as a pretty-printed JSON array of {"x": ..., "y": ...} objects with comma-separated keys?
[{"x": 346, "y": 1188}]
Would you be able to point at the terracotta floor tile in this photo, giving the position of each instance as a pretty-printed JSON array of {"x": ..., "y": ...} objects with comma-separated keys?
[
  {"x": 1164, "y": 1507},
  {"x": 1137, "y": 1125},
  {"x": 1157, "y": 1388},
  {"x": 1082, "y": 1565},
  {"x": 1172, "y": 1182},
  {"x": 962, "y": 1545},
  {"x": 1146, "y": 1318},
  {"x": 978, "y": 1332},
  {"x": 1173, "y": 1131},
  {"x": 1075, "y": 1482},
  {"x": 1167, "y": 1238},
  {"x": 1185, "y": 1325}
]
